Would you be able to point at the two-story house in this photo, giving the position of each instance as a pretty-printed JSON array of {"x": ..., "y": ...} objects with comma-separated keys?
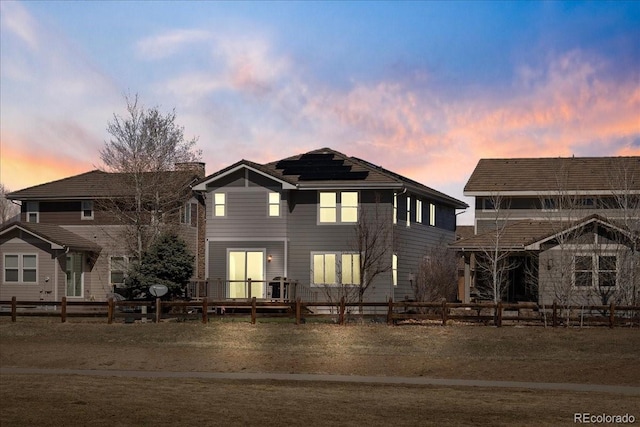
[
  {"x": 563, "y": 229},
  {"x": 299, "y": 217},
  {"x": 71, "y": 242}
]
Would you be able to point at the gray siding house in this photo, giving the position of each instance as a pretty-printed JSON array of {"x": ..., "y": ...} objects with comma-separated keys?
[
  {"x": 295, "y": 220},
  {"x": 565, "y": 230}
]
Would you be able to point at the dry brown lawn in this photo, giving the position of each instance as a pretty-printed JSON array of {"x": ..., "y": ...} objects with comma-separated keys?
[{"x": 592, "y": 356}]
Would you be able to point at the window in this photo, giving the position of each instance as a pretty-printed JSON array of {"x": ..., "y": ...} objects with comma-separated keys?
[
  {"x": 432, "y": 214},
  {"x": 408, "y": 211},
  {"x": 419, "y": 211},
  {"x": 394, "y": 269},
  {"x": 395, "y": 208},
  {"x": 86, "y": 209},
  {"x": 346, "y": 205},
  {"x": 595, "y": 271},
  {"x": 274, "y": 204},
  {"x": 549, "y": 205},
  {"x": 33, "y": 212},
  {"x": 488, "y": 204},
  {"x": 20, "y": 268},
  {"x": 219, "y": 204},
  {"x": 349, "y": 206},
  {"x": 350, "y": 269},
  {"x": 185, "y": 214},
  {"x": 119, "y": 266},
  {"x": 335, "y": 268},
  {"x": 324, "y": 269}
]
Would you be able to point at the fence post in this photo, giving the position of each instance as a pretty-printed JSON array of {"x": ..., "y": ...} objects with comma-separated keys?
[
  {"x": 612, "y": 315},
  {"x": 444, "y": 312},
  {"x": 554, "y": 316},
  {"x": 341, "y": 314},
  {"x": 390, "y": 312},
  {"x": 205, "y": 311},
  {"x": 499, "y": 314},
  {"x": 298, "y": 310},
  {"x": 14, "y": 308},
  {"x": 110, "y": 311},
  {"x": 253, "y": 309},
  {"x": 63, "y": 310},
  {"x": 158, "y": 309}
]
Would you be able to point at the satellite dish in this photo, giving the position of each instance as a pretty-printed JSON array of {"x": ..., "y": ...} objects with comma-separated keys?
[{"x": 158, "y": 290}]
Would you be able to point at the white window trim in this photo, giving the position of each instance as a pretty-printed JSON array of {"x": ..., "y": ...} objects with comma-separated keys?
[
  {"x": 338, "y": 208},
  {"x": 595, "y": 272},
  {"x": 395, "y": 208},
  {"x": 21, "y": 268},
  {"x": 394, "y": 269},
  {"x": 271, "y": 204},
  {"x": 30, "y": 206},
  {"x": 216, "y": 204},
  {"x": 432, "y": 214},
  {"x": 408, "y": 211},
  {"x": 338, "y": 269},
  {"x": 83, "y": 209},
  {"x": 419, "y": 211}
]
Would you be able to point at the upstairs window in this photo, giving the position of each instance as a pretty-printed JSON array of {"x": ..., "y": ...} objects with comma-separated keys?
[
  {"x": 86, "y": 209},
  {"x": 408, "y": 211},
  {"x": 185, "y": 217},
  {"x": 394, "y": 269},
  {"x": 33, "y": 212},
  {"x": 338, "y": 207},
  {"x": 395, "y": 208},
  {"x": 219, "y": 204},
  {"x": 550, "y": 205},
  {"x": 419, "y": 211},
  {"x": 432, "y": 214},
  {"x": 274, "y": 204}
]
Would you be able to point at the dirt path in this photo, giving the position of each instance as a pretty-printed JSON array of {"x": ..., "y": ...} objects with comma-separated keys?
[{"x": 259, "y": 376}]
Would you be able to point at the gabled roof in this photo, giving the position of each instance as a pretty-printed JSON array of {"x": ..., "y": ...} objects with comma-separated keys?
[
  {"x": 329, "y": 169},
  {"x": 531, "y": 235},
  {"x": 58, "y": 237},
  {"x": 95, "y": 184},
  {"x": 538, "y": 176}
]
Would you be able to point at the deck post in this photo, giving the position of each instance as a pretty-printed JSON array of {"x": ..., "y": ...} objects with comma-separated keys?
[
  {"x": 110, "y": 311},
  {"x": 253, "y": 310},
  {"x": 14, "y": 308},
  {"x": 612, "y": 315},
  {"x": 248, "y": 284},
  {"x": 205, "y": 311},
  {"x": 63, "y": 310},
  {"x": 298, "y": 311}
]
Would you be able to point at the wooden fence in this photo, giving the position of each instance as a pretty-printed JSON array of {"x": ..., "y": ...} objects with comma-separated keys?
[{"x": 342, "y": 312}]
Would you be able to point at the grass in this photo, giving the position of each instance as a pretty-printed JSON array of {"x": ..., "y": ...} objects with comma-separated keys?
[{"x": 596, "y": 356}]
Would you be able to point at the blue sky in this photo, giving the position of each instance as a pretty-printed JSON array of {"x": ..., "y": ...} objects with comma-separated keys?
[{"x": 423, "y": 88}]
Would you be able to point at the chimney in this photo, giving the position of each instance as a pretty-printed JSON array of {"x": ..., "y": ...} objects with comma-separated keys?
[{"x": 197, "y": 167}]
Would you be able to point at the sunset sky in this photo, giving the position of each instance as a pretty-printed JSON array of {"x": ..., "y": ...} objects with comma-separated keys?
[{"x": 425, "y": 89}]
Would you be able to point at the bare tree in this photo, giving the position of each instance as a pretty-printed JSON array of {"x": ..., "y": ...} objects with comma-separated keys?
[
  {"x": 144, "y": 146},
  {"x": 8, "y": 210},
  {"x": 436, "y": 278},
  {"x": 374, "y": 241},
  {"x": 494, "y": 263}
]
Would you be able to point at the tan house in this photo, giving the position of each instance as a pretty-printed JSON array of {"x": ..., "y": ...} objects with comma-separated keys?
[
  {"x": 70, "y": 243},
  {"x": 563, "y": 229}
]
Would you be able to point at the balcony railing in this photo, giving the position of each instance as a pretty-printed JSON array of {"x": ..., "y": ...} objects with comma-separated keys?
[{"x": 278, "y": 289}]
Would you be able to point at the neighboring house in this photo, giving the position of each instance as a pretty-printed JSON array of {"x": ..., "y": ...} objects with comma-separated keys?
[
  {"x": 297, "y": 218},
  {"x": 69, "y": 243},
  {"x": 563, "y": 229}
]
